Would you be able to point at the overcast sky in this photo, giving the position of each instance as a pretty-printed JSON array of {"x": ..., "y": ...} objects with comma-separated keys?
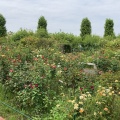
[{"x": 64, "y": 15}]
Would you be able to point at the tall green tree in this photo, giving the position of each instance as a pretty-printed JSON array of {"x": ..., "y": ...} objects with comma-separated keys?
[
  {"x": 85, "y": 27},
  {"x": 109, "y": 28},
  {"x": 42, "y": 28},
  {"x": 2, "y": 26},
  {"x": 42, "y": 23}
]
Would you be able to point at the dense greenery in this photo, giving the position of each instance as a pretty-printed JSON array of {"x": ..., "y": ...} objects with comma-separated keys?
[
  {"x": 2, "y": 26},
  {"x": 109, "y": 28},
  {"x": 42, "y": 33},
  {"x": 53, "y": 77},
  {"x": 46, "y": 82},
  {"x": 21, "y": 34},
  {"x": 85, "y": 27}
]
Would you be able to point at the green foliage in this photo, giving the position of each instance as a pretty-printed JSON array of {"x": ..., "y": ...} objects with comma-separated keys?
[
  {"x": 67, "y": 39},
  {"x": 5, "y": 110},
  {"x": 107, "y": 60},
  {"x": 109, "y": 28},
  {"x": 85, "y": 27},
  {"x": 21, "y": 34},
  {"x": 64, "y": 37},
  {"x": 110, "y": 79},
  {"x": 29, "y": 41},
  {"x": 101, "y": 103},
  {"x": 42, "y": 28},
  {"x": 42, "y": 33},
  {"x": 76, "y": 44},
  {"x": 45, "y": 43},
  {"x": 50, "y": 85},
  {"x": 2, "y": 26},
  {"x": 2, "y": 20},
  {"x": 114, "y": 44},
  {"x": 4, "y": 69},
  {"x": 42, "y": 23},
  {"x": 109, "y": 37},
  {"x": 61, "y": 110},
  {"x": 90, "y": 42},
  {"x": 35, "y": 85}
]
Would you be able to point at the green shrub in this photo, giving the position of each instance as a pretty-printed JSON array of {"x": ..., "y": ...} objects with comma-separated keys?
[
  {"x": 45, "y": 43},
  {"x": 33, "y": 81},
  {"x": 4, "y": 69},
  {"x": 91, "y": 42},
  {"x": 3, "y": 40},
  {"x": 77, "y": 44},
  {"x": 105, "y": 63},
  {"x": 108, "y": 78},
  {"x": 42, "y": 33},
  {"x": 117, "y": 55},
  {"x": 35, "y": 42},
  {"x": 29, "y": 41},
  {"x": 61, "y": 111},
  {"x": 99, "y": 106},
  {"x": 64, "y": 37},
  {"x": 47, "y": 83},
  {"x": 109, "y": 37},
  {"x": 21, "y": 34},
  {"x": 113, "y": 44},
  {"x": 115, "y": 65}
]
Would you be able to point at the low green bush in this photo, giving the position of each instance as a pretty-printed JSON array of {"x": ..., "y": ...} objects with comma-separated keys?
[
  {"x": 114, "y": 44},
  {"x": 91, "y": 42},
  {"x": 47, "y": 83},
  {"x": 29, "y": 41},
  {"x": 21, "y": 34},
  {"x": 42, "y": 33},
  {"x": 107, "y": 60},
  {"x": 45, "y": 43}
]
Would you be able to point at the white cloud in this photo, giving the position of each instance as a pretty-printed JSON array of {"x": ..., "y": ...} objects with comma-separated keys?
[{"x": 60, "y": 14}]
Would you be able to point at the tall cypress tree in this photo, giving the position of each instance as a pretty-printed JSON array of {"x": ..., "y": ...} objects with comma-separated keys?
[
  {"x": 42, "y": 23},
  {"x": 2, "y": 26},
  {"x": 85, "y": 27},
  {"x": 108, "y": 28},
  {"x": 42, "y": 28}
]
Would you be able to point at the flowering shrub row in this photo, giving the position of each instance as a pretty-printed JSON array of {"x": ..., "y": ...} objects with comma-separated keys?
[{"x": 48, "y": 81}]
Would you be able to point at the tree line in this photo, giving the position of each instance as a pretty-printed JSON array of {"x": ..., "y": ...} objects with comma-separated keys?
[{"x": 85, "y": 27}]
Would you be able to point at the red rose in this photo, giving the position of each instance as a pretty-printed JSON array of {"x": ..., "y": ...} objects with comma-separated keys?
[
  {"x": 42, "y": 57},
  {"x": 36, "y": 85},
  {"x": 53, "y": 66}
]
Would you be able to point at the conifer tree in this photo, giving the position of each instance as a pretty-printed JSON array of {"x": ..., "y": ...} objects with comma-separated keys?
[
  {"x": 42, "y": 23},
  {"x": 85, "y": 27},
  {"x": 108, "y": 28},
  {"x": 2, "y": 26}
]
